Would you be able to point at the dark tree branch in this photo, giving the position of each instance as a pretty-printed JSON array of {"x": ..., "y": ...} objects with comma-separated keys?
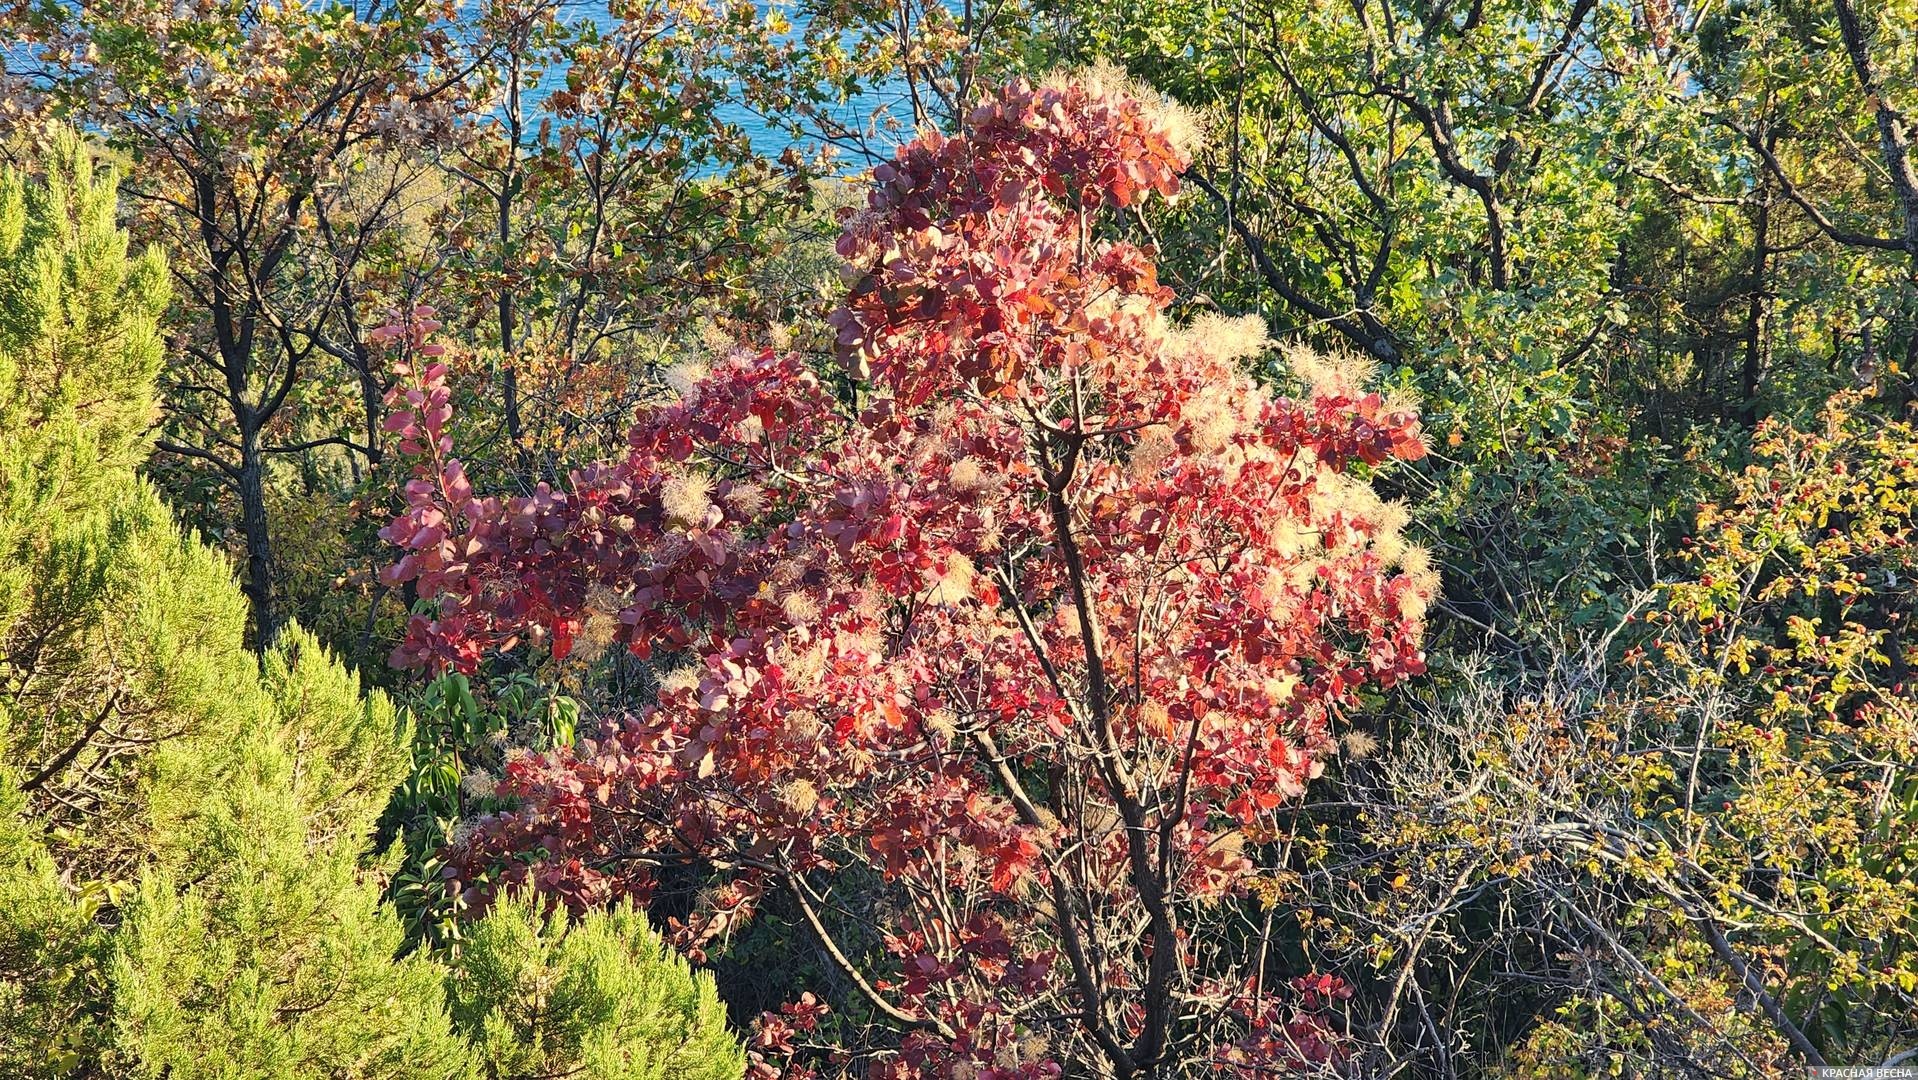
[
  {"x": 1894, "y": 130},
  {"x": 197, "y": 453},
  {"x": 1361, "y": 328}
]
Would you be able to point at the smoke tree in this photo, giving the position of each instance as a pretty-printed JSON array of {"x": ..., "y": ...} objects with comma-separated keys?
[{"x": 994, "y": 657}]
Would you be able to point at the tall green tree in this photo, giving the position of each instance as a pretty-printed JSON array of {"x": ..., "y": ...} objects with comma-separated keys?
[
  {"x": 184, "y": 889},
  {"x": 184, "y": 827},
  {"x": 272, "y": 148}
]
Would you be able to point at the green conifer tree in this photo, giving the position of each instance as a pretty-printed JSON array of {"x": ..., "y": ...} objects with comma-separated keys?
[
  {"x": 603, "y": 999},
  {"x": 183, "y": 824},
  {"x": 113, "y": 627},
  {"x": 180, "y": 832}
]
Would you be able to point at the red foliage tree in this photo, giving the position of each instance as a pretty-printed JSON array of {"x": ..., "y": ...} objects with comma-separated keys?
[{"x": 996, "y": 660}]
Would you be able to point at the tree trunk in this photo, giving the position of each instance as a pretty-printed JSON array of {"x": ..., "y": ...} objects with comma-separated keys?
[
  {"x": 1755, "y": 312},
  {"x": 372, "y": 401},
  {"x": 509, "y": 322},
  {"x": 251, "y": 482}
]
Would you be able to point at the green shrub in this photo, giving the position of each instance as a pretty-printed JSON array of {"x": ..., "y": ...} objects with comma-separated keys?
[{"x": 602, "y": 999}]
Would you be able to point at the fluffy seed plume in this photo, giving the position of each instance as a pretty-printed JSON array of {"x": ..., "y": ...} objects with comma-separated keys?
[
  {"x": 1359, "y": 745},
  {"x": 798, "y": 796},
  {"x": 800, "y": 608},
  {"x": 1151, "y": 451},
  {"x": 685, "y": 499},
  {"x": 967, "y": 476},
  {"x": 952, "y": 582},
  {"x": 1154, "y": 718},
  {"x": 747, "y": 500},
  {"x": 682, "y": 378},
  {"x": 1227, "y": 340},
  {"x": 1341, "y": 372}
]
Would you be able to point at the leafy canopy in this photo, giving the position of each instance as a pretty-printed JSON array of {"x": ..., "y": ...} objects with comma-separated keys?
[{"x": 1032, "y": 614}]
